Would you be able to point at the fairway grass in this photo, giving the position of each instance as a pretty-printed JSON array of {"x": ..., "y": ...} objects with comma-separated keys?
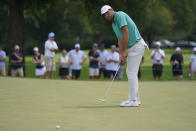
[{"x": 40, "y": 105}]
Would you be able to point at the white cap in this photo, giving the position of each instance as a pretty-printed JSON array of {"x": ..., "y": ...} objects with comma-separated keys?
[
  {"x": 51, "y": 34},
  {"x": 105, "y": 9},
  {"x": 95, "y": 45},
  {"x": 35, "y": 49},
  {"x": 178, "y": 49},
  {"x": 194, "y": 49},
  {"x": 158, "y": 43},
  {"x": 16, "y": 47},
  {"x": 77, "y": 45}
]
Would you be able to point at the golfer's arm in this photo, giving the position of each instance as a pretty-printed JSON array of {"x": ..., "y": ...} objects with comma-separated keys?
[
  {"x": 125, "y": 40},
  {"x": 119, "y": 45}
]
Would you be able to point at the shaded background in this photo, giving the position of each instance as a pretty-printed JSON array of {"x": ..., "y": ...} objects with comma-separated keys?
[{"x": 28, "y": 22}]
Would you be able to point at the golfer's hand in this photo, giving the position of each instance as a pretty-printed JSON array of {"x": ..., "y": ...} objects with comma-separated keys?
[{"x": 123, "y": 57}]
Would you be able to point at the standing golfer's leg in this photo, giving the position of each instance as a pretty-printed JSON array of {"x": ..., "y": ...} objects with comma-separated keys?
[
  {"x": 132, "y": 68},
  {"x": 135, "y": 54}
]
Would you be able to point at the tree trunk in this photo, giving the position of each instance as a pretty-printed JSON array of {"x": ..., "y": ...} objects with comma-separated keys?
[{"x": 16, "y": 27}]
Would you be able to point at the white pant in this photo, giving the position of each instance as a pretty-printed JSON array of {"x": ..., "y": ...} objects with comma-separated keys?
[
  {"x": 93, "y": 71},
  {"x": 135, "y": 54}
]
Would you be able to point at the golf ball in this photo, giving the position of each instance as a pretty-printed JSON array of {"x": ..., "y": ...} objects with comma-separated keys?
[{"x": 57, "y": 126}]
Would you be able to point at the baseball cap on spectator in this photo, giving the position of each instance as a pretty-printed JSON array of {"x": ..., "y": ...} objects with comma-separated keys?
[
  {"x": 105, "y": 9},
  {"x": 178, "y": 49},
  {"x": 194, "y": 49},
  {"x": 77, "y": 45},
  {"x": 158, "y": 44},
  {"x": 51, "y": 34},
  {"x": 35, "y": 49},
  {"x": 16, "y": 47},
  {"x": 95, "y": 45}
]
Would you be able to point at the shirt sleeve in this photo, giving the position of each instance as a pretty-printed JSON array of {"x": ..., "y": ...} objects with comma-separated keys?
[
  {"x": 163, "y": 53},
  {"x": 121, "y": 20},
  {"x": 21, "y": 55},
  {"x": 55, "y": 45},
  {"x": 4, "y": 55},
  {"x": 152, "y": 53},
  {"x": 172, "y": 58},
  {"x": 89, "y": 53},
  {"x": 12, "y": 57},
  {"x": 47, "y": 45},
  {"x": 69, "y": 54}
]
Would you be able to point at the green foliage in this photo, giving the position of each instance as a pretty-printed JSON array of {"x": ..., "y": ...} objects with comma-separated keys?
[{"x": 80, "y": 21}]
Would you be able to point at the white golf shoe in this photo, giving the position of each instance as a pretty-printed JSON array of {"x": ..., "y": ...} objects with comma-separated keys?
[{"x": 129, "y": 104}]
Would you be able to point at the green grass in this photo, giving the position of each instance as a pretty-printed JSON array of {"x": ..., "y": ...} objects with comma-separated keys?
[
  {"x": 146, "y": 67},
  {"x": 39, "y": 105}
]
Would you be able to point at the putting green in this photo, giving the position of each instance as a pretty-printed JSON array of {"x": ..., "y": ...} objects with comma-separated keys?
[{"x": 40, "y": 105}]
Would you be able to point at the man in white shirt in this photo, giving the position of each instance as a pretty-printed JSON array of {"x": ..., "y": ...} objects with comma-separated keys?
[
  {"x": 50, "y": 49},
  {"x": 2, "y": 61},
  {"x": 112, "y": 62},
  {"x": 103, "y": 55},
  {"x": 157, "y": 56},
  {"x": 77, "y": 60},
  {"x": 192, "y": 64}
]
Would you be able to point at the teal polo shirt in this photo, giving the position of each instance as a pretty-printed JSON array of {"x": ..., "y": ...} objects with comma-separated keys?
[{"x": 122, "y": 19}]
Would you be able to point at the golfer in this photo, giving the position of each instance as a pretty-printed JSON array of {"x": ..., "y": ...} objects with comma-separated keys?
[{"x": 128, "y": 37}]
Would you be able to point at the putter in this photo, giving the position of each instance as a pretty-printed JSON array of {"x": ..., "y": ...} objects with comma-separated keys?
[{"x": 109, "y": 88}]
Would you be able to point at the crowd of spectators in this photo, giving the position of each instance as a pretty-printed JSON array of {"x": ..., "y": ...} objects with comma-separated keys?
[{"x": 101, "y": 62}]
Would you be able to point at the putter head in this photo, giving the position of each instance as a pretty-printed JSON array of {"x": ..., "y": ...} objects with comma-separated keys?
[{"x": 102, "y": 100}]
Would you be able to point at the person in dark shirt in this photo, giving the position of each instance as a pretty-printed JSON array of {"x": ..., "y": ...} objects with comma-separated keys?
[
  {"x": 176, "y": 61},
  {"x": 16, "y": 62},
  {"x": 94, "y": 62}
]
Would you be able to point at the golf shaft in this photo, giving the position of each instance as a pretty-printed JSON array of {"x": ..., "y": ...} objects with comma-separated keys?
[{"x": 108, "y": 89}]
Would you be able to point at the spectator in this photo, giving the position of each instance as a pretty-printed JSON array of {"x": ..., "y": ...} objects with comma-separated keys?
[
  {"x": 63, "y": 63},
  {"x": 192, "y": 64},
  {"x": 112, "y": 62},
  {"x": 139, "y": 71},
  {"x": 77, "y": 60},
  {"x": 16, "y": 62},
  {"x": 50, "y": 49},
  {"x": 103, "y": 55},
  {"x": 176, "y": 61},
  {"x": 38, "y": 60},
  {"x": 2, "y": 61},
  {"x": 94, "y": 59},
  {"x": 157, "y": 56}
]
